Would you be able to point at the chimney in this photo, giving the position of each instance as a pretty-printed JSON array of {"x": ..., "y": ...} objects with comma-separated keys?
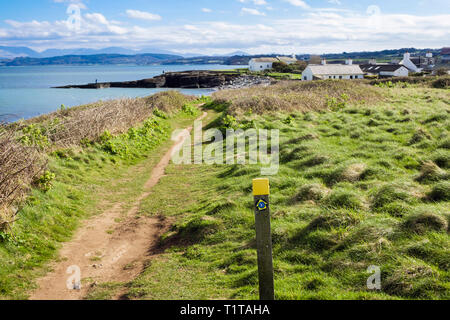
[
  {"x": 429, "y": 55},
  {"x": 324, "y": 62},
  {"x": 349, "y": 62},
  {"x": 373, "y": 61},
  {"x": 406, "y": 56}
]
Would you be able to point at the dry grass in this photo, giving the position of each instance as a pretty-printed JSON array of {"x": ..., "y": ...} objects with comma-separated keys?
[
  {"x": 19, "y": 165},
  {"x": 297, "y": 96},
  {"x": 87, "y": 123}
]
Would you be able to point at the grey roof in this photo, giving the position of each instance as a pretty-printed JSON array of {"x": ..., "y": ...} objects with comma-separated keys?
[
  {"x": 340, "y": 69},
  {"x": 287, "y": 59},
  {"x": 265, "y": 60},
  {"x": 377, "y": 68}
]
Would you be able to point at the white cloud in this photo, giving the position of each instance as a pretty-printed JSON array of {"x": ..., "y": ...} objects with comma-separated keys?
[
  {"x": 255, "y": 2},
  {"x": 315, "y": 31},
  {"x": 207, "y": 10},
  {"x": 338, "y": 2},
  {"x": 79, "y": 3},
  {"x": 136, "y": 14},
  {"x": 253, "y": 12},
  {"x": 298, "y": 3}
]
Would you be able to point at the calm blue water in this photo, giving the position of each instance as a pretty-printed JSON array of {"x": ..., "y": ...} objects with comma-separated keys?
[{"x": 26, "y": 92}]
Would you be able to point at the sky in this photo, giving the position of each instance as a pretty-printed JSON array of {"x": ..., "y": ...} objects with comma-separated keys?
[{"x": 219, "y": 27}]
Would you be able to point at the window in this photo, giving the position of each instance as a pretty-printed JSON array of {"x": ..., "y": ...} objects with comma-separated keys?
[
  {"x": 351, "y": 77},
  {"x": 340, "y": 77},
  {"x": 329, "y": 77},
  {"x": 305, "y": 78}
]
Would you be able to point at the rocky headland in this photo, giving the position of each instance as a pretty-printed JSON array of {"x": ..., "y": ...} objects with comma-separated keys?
[{"x": 184, "y": 80}]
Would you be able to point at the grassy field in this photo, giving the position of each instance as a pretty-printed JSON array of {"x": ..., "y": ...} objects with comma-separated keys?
[{"x": 360, "y": 184}]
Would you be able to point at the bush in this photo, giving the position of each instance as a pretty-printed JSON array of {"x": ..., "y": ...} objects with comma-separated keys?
[{"x": 45, "y": 182}]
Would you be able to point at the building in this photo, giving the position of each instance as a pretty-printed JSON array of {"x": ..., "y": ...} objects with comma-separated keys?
[
  {"x": 288, "y": 60},
  {"x": 385, "y": 70},
  {"x": 332, "y": 71},
  {"x": 445, "y": 55},
  {"x": 262, "y": 64},
  {"x": 418, "y": 64}
]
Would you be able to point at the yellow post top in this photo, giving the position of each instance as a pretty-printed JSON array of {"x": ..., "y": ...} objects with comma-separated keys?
[{"x": 261, "y": 187}]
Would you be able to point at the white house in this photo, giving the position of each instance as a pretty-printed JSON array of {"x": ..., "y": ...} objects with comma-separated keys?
[
  {"x": 261, "y": 64},
  {"x": 418, "y": 64},
  {"x": 332, "y": 71},
  {"x": 385, "y": 70}
]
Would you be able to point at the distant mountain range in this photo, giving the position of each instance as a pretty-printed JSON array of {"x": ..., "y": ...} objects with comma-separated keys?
[{"x": 16, "y": 52}]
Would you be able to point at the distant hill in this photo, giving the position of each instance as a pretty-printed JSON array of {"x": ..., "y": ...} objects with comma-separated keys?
[
  {"x": 105, "y": 59},
  {"x": 13, "y": 52},
  {"x": 384, "y": 54}
]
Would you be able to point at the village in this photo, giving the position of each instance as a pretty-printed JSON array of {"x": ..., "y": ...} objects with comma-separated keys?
[{"x": 317, "y": 68}]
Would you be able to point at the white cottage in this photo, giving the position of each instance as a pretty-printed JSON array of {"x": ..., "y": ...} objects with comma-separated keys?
[
  {"x": 385, "y": 70},
  {"x": 261, "y": 64},
  {"x": 332, "y": 71}
]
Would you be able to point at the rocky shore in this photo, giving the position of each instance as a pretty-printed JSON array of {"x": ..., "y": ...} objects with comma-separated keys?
[{"x": 184, "y": 80}]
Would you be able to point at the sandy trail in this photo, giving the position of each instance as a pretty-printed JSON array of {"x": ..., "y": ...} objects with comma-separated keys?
[{"x": 103, "y": 256}]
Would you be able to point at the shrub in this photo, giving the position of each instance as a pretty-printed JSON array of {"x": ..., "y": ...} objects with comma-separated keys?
[{"x": 45, "y": 182}]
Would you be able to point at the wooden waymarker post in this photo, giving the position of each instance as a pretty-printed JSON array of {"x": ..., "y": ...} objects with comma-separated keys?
[{"x": 261, "y": 192}]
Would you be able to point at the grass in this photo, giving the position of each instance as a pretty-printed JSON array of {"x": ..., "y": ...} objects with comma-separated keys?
[
  {"x": 86, "y": 179},
  {"x": 349, "y": 194}
]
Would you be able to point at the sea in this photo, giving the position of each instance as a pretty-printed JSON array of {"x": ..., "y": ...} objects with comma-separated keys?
[{"x": 26, "y": 92}]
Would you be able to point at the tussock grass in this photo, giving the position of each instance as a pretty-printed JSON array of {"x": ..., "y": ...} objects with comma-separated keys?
[{"x": 297, "y": 96}]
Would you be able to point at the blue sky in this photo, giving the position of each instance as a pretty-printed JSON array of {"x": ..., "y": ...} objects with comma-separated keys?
[{"x": 214, "y": 27}]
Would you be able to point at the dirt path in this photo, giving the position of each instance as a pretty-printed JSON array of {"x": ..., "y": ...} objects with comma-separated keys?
[{"x": 105, "y": 256}]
